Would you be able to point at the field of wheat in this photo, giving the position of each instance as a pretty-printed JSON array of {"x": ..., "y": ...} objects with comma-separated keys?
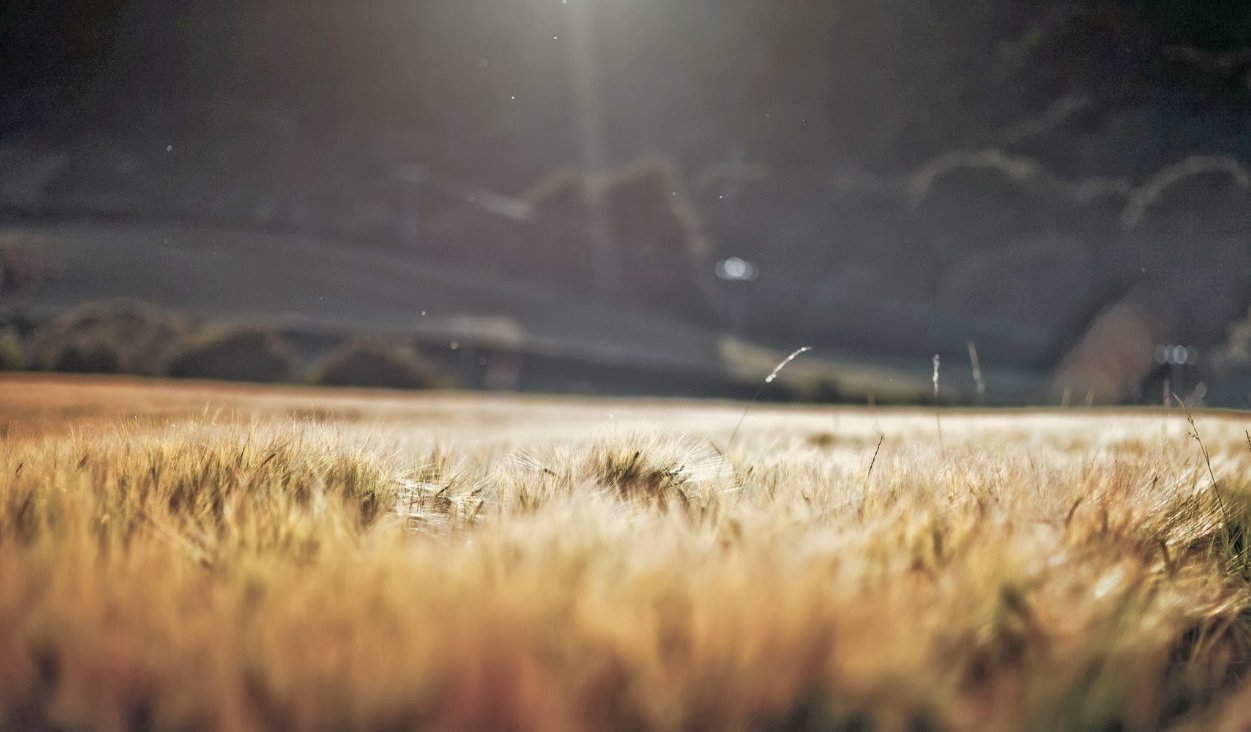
[{"x": 205, "y": 557}]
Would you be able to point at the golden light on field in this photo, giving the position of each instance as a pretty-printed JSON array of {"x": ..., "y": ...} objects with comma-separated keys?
[{"x": 246, "y": 559}]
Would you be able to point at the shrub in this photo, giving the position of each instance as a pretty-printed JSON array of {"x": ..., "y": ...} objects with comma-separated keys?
[
  {"x": 972, "y": 202},
  {"x": 12, "y": 356},
  {"x": 663, "y": 253},
  {"x": 19, "y": 320},
  {"x": 126, "y": 336},
  {"x": 21, "y": 273},
  {"x": 1043, "y": 280},
  {"x": 378, "y": 365},
  {"x": 1238, "y": 345},
  {"x": 1230, "y": 368},
  {"x": 1114, "y": 358},
  {"x": 87, "y": 356},
  {"x": 1201, "y": 194},
  {"x": 236, "y": 354},
  {"x": 556, "y": 246}
]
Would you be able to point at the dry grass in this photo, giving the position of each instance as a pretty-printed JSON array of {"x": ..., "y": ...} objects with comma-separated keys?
[{"x": 192, "y": 557}]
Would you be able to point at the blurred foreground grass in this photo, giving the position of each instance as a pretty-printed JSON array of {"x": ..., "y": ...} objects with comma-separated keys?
[{"x": 193, "y": 556}]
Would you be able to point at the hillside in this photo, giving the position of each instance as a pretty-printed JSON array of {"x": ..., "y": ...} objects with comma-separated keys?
[
  {"x": 905, "y": 180},
  {"x": 329, "y": 291}
]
